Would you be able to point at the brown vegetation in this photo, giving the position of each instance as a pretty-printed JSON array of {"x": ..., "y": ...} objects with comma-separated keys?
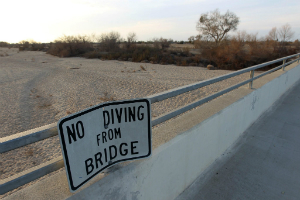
[
  {"x": 31, "y": 45},
  {"x": 244, "y": 50},
  {"x": 4, "y": 44},
  {"x": 68, "y": 46},
  {"x": 107, "y": 97},
  {"x": 232, "y": 53},
  {"x": 240, "y": 51}
]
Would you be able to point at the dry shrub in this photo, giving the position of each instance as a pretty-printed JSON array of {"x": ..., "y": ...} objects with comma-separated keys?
[
  {"x": 25, "y": 44},
  {"x": 110, "y": 42},
  {"x": 4, "y": 44},
  {"x": 112, "y": 56},
  {"x": 227, "y": 56},
  {"x": 63, "y": 53},
  {"x": 196, "y": 59},
  {"x": 4, "y": 54},
  {"x": 297, "y": 45},
  {"x": 143, "y": 68},
  {"x": 68, "y": 46},
  {"x": 68, "y": 112},
  {"x": 145, "y": 53},
  {"x": 37, "y": 46},
  {"x": 184, "y": 63},
  {"x": 107, "y": 97},
  {"x": 131, "y": 41},
  {"x": 93, "y": 54},
  {"x": 29, "y": 152},
  {"x": 44, "y": 105},
  {"x": 202, "y": 44},
  {"x": 186, "y": 50},
  {"x": 31, "y": 45},
  {"x": 244, "y": 50},
  {"x": 162, "y": 43},
  {"x": 167, "y": 58}
]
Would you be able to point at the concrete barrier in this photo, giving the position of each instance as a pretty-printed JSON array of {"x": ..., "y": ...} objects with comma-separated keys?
[{"x": 208, "y": 132}]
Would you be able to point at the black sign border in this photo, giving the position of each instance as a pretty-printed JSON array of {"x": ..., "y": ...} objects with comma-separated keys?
[{"x": 67, "y": 118}]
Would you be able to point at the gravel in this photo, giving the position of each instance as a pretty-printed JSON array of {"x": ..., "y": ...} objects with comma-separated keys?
[{"x": 38, "y": 89}]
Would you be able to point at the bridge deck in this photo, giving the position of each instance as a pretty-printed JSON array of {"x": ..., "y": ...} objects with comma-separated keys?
[{"x": 264, "y": 164}]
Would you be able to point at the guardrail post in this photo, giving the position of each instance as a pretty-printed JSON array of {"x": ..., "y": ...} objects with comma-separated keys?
[
  {"x": 298, "y": 59},
  {"x": 251, "y": 76},
  {"x": 284, "y": 61}
]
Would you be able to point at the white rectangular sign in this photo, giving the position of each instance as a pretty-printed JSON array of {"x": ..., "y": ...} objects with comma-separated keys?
[{"x": 102, "y": 136}]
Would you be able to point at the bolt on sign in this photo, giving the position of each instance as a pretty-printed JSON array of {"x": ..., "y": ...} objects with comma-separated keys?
[{"x": 103, "y": 135}]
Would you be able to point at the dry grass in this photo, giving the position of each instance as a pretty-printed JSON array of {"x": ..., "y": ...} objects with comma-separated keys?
[
  {"x": 68, "y": 112},
  {"x": 143, "y": 68},
  {"x": 107, "y": 97},
  {"x": 29, "y": 152},
  {"x": 4, "y": 54},
  {"x": 33, "y": 90},
  {"x": 181, "y": 46},
  {"x": 44, "y": 105}
]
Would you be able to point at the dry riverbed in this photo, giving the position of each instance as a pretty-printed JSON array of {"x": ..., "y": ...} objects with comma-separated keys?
[{"x": 37, "y": 89}]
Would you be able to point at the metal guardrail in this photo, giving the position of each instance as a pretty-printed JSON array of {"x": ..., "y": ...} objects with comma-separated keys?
[{"x": 21, "y": 139}]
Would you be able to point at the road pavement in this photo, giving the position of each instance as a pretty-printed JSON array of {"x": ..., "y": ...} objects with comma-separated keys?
[{"x": 264, "y": 164}]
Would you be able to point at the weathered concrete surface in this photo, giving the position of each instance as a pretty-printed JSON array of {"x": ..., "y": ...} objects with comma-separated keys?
[{"x": 265, "y": 164}]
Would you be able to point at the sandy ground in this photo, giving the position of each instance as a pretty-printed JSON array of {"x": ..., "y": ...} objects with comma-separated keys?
[{"x": 37, "y": 89}]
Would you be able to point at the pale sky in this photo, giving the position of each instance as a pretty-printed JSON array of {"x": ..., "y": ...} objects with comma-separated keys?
[{"x": 45, "y": 21}]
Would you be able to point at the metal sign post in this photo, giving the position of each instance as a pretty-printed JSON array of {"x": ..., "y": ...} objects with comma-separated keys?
[{"x": 103, "y": 135}]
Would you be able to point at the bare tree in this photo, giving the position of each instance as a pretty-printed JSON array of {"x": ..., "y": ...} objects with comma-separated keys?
[
  {"x": 131, "y": 37},
  {"x": 131, "y": 40},
  {"x": 243, "y": 37},
  {"x": 273, "y": 34},
  {"x": 215, "y": 26},
  {"x": 198, "y": 37},
  {"x": 285, "y": 33},
  {"x": 93, "y": 38},
  {"x": 191, "y": 39},
  {"x": 110, "y": 41}
]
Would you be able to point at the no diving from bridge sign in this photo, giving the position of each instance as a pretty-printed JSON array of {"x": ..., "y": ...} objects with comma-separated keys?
[{"x": 102, "y": 136}]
